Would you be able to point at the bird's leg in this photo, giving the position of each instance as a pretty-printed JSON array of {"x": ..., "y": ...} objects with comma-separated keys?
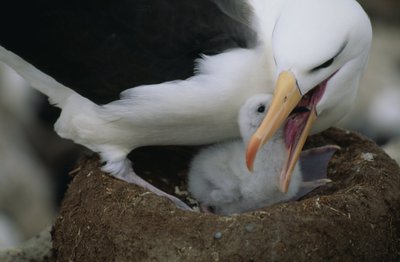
[
  {"x": 122, "y": 169},
  {"x": 83, "y": 129}
]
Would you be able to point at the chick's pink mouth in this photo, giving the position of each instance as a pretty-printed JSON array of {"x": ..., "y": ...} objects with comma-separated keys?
[{"x": 297, "y": 119}]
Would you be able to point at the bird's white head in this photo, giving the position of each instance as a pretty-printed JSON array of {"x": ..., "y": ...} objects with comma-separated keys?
[
  {"x": 323, "y": 42},
  {"x": 320, "y": 48}
]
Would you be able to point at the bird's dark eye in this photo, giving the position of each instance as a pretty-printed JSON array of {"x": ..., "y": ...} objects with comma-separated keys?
[
  {"x": 261, "y": 109},
  {"x": 324, "y": 65}
]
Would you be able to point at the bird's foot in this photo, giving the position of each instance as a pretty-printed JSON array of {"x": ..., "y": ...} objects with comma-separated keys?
[
  {"x": 314, "y": 162},
  {"x": 137, "y": 180},
  {"x": 315, "y": 183},
  {"x": 309, "y": 186},
  {"x": 123, "y": 171},
  {"x": 314, "y": 165}
]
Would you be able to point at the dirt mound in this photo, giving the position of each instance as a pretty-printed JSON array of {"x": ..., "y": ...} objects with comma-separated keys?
[{"x": 355, "y": 217}]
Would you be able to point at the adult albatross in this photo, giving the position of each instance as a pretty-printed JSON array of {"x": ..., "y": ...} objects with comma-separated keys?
[{"x": 314, "y": 57}]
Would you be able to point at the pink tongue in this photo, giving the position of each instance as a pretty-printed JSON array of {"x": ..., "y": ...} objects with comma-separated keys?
[
  {"x": 296, "y": 122},
  {"x": 294, "y": 127}
]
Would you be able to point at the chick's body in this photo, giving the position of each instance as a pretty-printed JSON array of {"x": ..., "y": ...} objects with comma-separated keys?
[{"x": 219, "y": 178}]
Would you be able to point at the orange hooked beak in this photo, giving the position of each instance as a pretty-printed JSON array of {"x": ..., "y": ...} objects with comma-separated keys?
[{"x": 286, "y": 97}]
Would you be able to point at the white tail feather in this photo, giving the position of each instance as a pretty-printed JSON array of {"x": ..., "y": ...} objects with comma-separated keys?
[{"x": 57, "y": 92}]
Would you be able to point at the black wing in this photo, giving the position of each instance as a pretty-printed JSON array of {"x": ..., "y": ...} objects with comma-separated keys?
[{"x": 100, "y": 48}]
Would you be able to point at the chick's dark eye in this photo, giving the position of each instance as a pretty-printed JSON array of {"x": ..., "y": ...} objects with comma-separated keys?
[
  {"x": 261, "y": 109},
  {"x": 324, "y": 65}
]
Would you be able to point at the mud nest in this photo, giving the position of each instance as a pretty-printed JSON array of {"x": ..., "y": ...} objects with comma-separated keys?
[{"x": 356, "y": 217}]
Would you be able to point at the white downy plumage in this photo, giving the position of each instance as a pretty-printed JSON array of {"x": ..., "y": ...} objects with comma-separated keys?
[{"x": 218, "y": 175}]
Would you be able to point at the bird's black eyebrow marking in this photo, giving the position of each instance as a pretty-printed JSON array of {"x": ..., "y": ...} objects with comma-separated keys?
[
  {"x": 324, "y": 65},
  {"x": 330, "y": 61}
]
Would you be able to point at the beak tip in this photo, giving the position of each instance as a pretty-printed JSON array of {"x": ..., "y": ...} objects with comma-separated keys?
[
  {"x": 251, "y": 152},
  {"x": 284, "y": 182},
  {"x": 250, "y": 161},
  {"x": 283, "y": 189}
]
